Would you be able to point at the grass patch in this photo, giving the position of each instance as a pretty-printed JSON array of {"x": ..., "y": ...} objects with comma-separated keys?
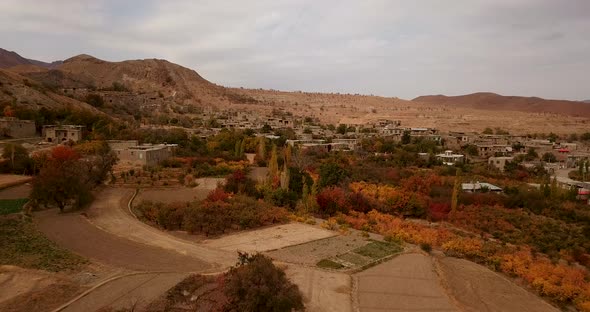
[
  {"x": 329, "y": 264},
  {"x": 8, "y": 206},
  {"x": 23, "y": 245},
  {"x": 377, "y": 249},
  {"x": 355, "y": 258}
]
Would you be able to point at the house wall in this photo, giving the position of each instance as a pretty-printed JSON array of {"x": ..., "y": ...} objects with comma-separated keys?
[{"x": 17, "y": 129}]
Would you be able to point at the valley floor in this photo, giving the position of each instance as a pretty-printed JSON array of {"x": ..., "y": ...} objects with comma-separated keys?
[{"x": 148, "y": 261}]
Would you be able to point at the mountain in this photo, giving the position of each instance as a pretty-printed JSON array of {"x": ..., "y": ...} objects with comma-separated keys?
[
  {"x": 586, "y": 101},
  {"x": 9, "y": 59},
  {"x": 20, "y": 91},
  {"x": 496, "y": 102}
]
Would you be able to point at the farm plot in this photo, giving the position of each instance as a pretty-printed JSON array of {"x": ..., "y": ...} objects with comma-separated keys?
[
  {"x": 312, "y": 252},
  {"x": 269, "y": 238},
  {"x": 360, "y": 257}
]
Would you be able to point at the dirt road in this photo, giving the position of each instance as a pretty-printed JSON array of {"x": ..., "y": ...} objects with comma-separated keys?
[
  {"x": 74, "y": 232},
  {"x": 110, "y": 214}
]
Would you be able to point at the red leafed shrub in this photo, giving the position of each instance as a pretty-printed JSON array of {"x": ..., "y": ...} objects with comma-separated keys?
[
  {"x": 439, "y": 211},
  {"x": 332, "y": 200},
  {"x": 62, "y": 153},
  {"x": 217, "y": 194}
]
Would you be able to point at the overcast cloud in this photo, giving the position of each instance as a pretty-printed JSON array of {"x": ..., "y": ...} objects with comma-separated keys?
[{"x": 383, "y": 47}]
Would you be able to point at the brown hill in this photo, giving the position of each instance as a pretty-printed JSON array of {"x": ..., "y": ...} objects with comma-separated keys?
[
  {"x": 9, "y": 59},
  {"x": 21, "y": 91},
  {"x": 183, "y": 85},
  {"x": 496, "y": 102}
]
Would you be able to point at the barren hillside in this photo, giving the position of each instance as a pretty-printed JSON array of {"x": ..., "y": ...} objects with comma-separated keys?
[
  {"x": 24, "y": 92},
  {"x": 10, "y": 59},
  {"x": 184, "y": 85},
  {"x": 173, "y": 85},
  {"x": 496, "y": 102},
  {"x": 361, "y": 109}
]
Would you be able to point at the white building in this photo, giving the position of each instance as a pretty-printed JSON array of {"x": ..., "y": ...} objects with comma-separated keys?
[{"x": 450, "y": 159}]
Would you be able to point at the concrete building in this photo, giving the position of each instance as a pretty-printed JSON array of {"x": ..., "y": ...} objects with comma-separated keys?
[
  {"x": 450, "y": 159},
  {"x": 499, "y": 162},
  {"x": 122, "y": 144},
  {"x": 490, "y": 150},
  {"x": 64, "y": 133},
  {"x": 145, "y": 155},
  {"x": 17, "y": 129},
  {"x": 480, "y": 187}
]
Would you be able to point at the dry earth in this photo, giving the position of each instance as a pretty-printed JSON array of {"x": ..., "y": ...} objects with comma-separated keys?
[
  {"x": 406, "y": 283},
  {"x": 322, "y": 291},
  {"x": 476, "y": 288},
  {"x": 74, "y": 232},
  {"x": 269, "y": 238},
  {"x": 8, "y": 180},
  {"x": 135, "y": 291},
  {"x": 16, "y": 192}
]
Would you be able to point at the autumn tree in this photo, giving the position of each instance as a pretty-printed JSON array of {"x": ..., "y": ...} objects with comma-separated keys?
[
  {"x": 16, "y": 159},
  {"x": 255, "y": 284},
  {"x": 61, "y": 180},
  {"x": 273, "y": 166}
]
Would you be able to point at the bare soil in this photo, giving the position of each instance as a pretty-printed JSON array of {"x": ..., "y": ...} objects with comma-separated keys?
[
  {"x": 16, "y": 192},
  {"x": 408, "y": 282},
  {"x": 269, "y": 238},
  {"x": 322, "y": 290},
  {"x": 477, "y": 288},
  {"x": 8, "y": 180}
]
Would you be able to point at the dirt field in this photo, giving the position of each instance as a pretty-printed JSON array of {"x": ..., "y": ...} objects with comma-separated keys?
[
  {"x": 322, "y": 291},
  {"x": 182, "y": 194},
  {"x": 8, "y": 180},
  {"x": 476, "y": 288},
  {"x": 167, "y": 196},
  {"x": 406, "y": 283},
  {"x": 16, "y": 192},
  {"x": 74, "y": 232},
  {"x": 132, "y": 291},
  {"x": 33, "y": 290},
  {"x": 312, "y": 252},
  {"x": 270, "y": 238}
]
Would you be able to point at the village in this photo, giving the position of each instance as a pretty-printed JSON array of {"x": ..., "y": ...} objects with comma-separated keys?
[{"x": 497, "y": 148}]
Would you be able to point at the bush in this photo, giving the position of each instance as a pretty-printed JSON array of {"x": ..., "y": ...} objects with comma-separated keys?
[
  {"x": 426, "y": 247},
  {"x": 257, "y": 285}
]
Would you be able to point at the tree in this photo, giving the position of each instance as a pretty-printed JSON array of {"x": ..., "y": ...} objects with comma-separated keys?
[
  {"x": 456, "y": 190},
  {"x": 17, "y": 159},
  {"x": 266, "y": 128},
  {"x": 273, "y": 166},
  {"x": 406, "y": 137},
  {"x": 488, "y": 131},
  {"x": 255, "y": 284},
  {"x": 95, "y": 100},
  {"x": 62, "y": 180},
  {"x": 332, "y": 174},
  {"x": 531, "y": 154},
  {"x": 341, "y": 129},
  {"x": 471, "y": 150},
  {"x": 549, "y": 157}
]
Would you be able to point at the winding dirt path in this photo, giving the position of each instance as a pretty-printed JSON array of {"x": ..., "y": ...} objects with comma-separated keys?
[{"x": 109, "y": 213}]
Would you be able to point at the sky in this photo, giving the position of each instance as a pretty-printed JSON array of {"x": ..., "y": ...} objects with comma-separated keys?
[{"x": 383, "y": 47}]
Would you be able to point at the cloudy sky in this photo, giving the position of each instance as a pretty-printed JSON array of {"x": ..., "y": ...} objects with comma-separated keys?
[{"x": 383, "y": 47}]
